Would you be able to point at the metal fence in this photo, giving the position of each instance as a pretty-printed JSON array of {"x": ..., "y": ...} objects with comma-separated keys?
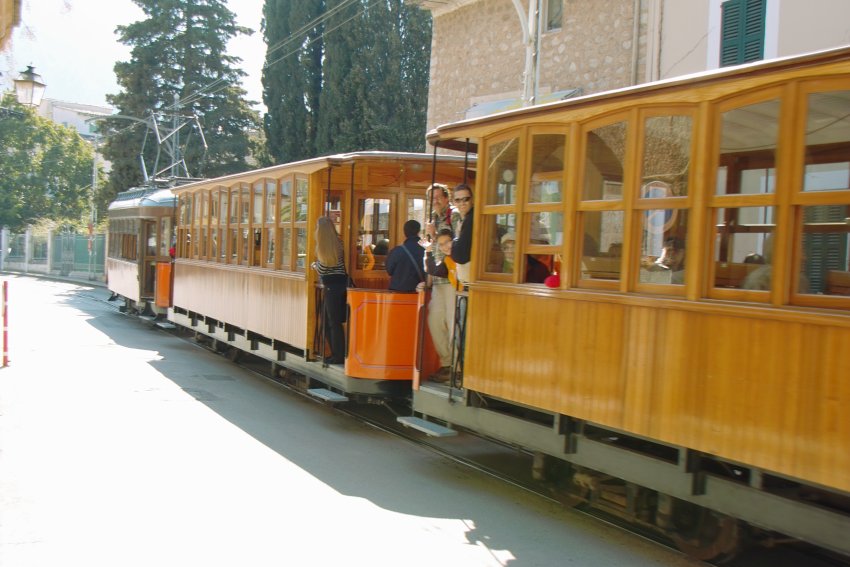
[{"x": 64, "y": 253}]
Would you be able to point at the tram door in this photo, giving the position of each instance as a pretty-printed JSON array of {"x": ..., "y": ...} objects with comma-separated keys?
[{"x": 147, "y": 275}]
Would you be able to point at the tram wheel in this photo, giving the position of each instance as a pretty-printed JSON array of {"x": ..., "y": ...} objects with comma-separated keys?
[{"x": 705, "y": 534}]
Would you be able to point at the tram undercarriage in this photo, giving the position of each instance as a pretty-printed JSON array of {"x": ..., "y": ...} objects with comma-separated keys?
[{"x": 697, "y": 501}]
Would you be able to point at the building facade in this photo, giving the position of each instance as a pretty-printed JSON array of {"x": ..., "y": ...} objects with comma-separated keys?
[{"x": 481, "y": 49}]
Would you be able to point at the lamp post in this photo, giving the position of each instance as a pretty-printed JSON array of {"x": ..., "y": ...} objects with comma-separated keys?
[{"x": 28, "y": 87}]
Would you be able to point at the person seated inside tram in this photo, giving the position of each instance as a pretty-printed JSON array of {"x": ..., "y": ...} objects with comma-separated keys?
[
  {"x": 535, "y": 270},
  {"x": 382, "y": 247},
  {"x": 672, "y": 260},
  {"x": 754, "y": 258}
]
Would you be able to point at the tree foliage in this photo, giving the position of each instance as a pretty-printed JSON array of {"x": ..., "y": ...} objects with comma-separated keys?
[
  {"x": 356, "y": 79},
  {"x": 45, "y": 172},
  {"x": 179, "y": 54}
]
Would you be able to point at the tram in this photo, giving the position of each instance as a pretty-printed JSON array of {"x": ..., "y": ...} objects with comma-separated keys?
[
  {"x": 245, "y": 244},
  {"x": 689, "y": 363},
  {"x": 683, "y": 363}
]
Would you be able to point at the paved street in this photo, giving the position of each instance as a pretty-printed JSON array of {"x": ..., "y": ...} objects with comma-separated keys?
[{"x": 121, "y": 445}]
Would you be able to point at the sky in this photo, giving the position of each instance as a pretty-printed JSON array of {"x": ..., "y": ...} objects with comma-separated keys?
[{"x": 72, "y": 45}]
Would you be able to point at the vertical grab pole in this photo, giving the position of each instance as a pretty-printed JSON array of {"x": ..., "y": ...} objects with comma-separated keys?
[{"x": 5, "y": 303}]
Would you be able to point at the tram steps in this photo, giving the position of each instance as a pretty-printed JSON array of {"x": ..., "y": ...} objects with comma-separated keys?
[
  {"x": 165, "y": 325},
  {"x": 327, "y": 395},
  {"x": 427, "y": 427}
]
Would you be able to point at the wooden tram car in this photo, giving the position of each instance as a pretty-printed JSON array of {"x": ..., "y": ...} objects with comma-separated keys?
[
  {"x": 684, "y": 398},
  {"x": 245, "y": 244},
  {"x": 138, "y": 264}
]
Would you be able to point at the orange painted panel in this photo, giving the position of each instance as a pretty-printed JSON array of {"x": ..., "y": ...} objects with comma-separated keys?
[
  {"x": 163, "y": 284},
  {"x": 382, "y": 328}
]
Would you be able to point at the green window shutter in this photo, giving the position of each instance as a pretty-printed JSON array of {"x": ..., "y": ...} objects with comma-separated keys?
[{"x": 742, "y": 31}]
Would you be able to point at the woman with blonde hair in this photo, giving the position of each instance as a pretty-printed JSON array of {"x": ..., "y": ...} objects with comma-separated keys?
[{"x": 331, "y": 268}]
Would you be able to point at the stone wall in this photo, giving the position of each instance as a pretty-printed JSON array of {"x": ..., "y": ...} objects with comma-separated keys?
[{"x": 477, "y": 53}]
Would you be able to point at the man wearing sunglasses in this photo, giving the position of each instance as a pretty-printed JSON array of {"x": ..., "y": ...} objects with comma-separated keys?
[{"x": 462, "y": 245}]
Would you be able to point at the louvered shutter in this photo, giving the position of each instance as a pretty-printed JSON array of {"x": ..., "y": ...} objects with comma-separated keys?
[{"x": 742, "y": 31}]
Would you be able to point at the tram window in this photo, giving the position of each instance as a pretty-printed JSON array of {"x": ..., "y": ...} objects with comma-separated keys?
[
  {"x": 602, "y": 244},
  {"x": 501, "y": 233},
  {"x": 666, "y": 156},
  {"x": 286, "y": 248},
  {"x": 662, "y": 251},
  {"x": 301, "y": 243},
  {"x": 271, "y": 195},
  {"x": 215, "y": 197},
  {"x": 743, "y": 247},
  {"x": 257, "y": 216},
  {"x": 374, "y": 238},
  {"x": 196, "y": 216},
  {"x": 827, "y": 141},
  {"x": 233, "y": 244},
  {"x": 538, "y": 267},
  {"x": 245, "y": 203},
  {"x": 205, "y": 206},
  {"x": 213, "y": 244},
  {"x": 747, "y": 147},
  {"x": 164, "y": 236},
  {"x": 270, "y": 248},
  {"x": 825, "y": 250},
  {"x": 547, "y": 228},
  {"x": 606, "y": 151},
  {"x": 285, "y": 200},
  {"x": 300, "y": 199},
  {"x": 416, "y": 210},
  {"x": 502, "y": 172},
  {"x": 547, "y": 168},
  {"x": 245, "y": 246},
  {"x": 234, "y": 206}
]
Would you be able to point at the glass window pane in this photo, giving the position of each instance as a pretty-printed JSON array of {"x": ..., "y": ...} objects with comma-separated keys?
[
  {"x": 214, "y": 204},
  {"x": 666, "y": 156},
  {"x": 373, "y": 236},
  {"x": 234, "y": 206},
  {"x": 285, "y": 200},
  {"x": 225, "y": 206},
  {"x": 747, "y": 148},
  {"x": 286, "y": 249},
  {"x": 271, "y": 195},
  {"x": 546, "y": 228},
  {"x": 538, "y": 267},
  {"x": 825, "y": 252},
  {"x": 827, "y": 176},
  {"x": 300, "y": 199},
  {"x": 743, "y": 247},
  {"x": 602, "y": 244},
  {"x": 501, "y": 232},
  {"x": 416, "y": 210},
  {"x": 257, "y": 216},
  {"x": 244, "y": 242},
  {"x": 234, "y": 244},
  {"x": 606, "y": 151},
  {"x": 213, "y": 244},
  {"x": 828, "y": 142},
  {"x": 547, "y": 168},
  {"x": 245, "y": 203},
  {"x": 301, "y": 260},
  {"x": 270, "y": 248},
  {"x": 502, "y": 172},
  {"x": 662, "y": 253}
]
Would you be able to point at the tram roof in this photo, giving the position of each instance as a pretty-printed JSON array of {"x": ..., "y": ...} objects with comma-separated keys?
[
  {"x": 453, "y": 135},
  {"x": 312, "y": 165},
  {"x": 143, "y": 197}
]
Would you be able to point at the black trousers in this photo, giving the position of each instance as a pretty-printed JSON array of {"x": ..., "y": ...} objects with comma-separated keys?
[{"x": 334, "y": 315}]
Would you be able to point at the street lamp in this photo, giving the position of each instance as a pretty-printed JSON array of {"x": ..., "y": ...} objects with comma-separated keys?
[{"x": 28, "y": 87}]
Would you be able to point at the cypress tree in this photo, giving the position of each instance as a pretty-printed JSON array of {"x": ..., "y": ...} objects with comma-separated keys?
[
  {"x": 292, "y": 78},
  {"x": 180, "y": 50}
]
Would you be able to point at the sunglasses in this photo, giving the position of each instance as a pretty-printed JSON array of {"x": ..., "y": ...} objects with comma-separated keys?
[{"x": 462, "y": 199}]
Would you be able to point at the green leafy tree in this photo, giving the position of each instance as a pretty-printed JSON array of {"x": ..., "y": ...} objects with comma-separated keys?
[
  {"x": 292, "y": 77},
  {"x": 45, "y": 172},
  {"x": 368, "y": 88},
  {"x": 179, "y": 54}
]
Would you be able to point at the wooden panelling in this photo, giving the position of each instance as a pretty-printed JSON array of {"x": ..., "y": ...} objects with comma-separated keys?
[
  {"x": 771, "y": 392},
  {"x": 271, "y": 303},
  {"x": 123, "y": 278}
]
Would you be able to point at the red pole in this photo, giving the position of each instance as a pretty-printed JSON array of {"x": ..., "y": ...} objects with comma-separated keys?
[{"x": 5, "y": 324}]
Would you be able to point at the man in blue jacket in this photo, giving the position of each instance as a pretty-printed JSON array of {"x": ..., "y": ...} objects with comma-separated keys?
[{"x": 404, "y": 263}]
